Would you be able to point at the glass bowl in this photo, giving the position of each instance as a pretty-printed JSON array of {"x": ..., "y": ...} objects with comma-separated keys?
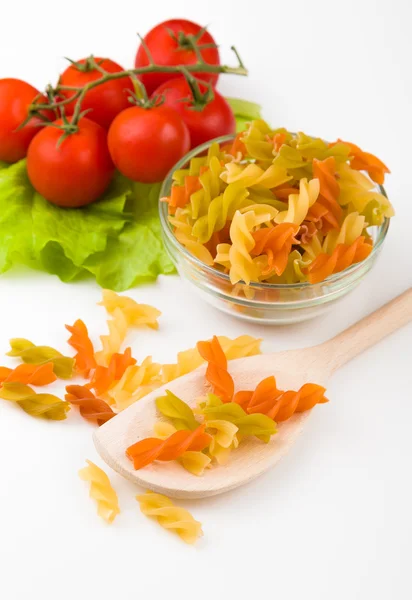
[{"x": 261, "y": 302}]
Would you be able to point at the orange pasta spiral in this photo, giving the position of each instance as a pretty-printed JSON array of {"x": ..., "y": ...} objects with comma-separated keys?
[
  {"x": 28, "y": 374},
  {"x": 150, "y": 449},
  {"x": 180, "y": 194},
  {"x": 276, "y": 242},
  {"x": 80, "y": 341},
  {"x": 91, "y": 408},
  {"x": 267, "y": 399},
  {"x": 105, "y": 377},
  {"x": 364, "y": 161},
  {"x": 327, "y": 203},
  {"x": 341, "y": 258},
  {"x": 216, "y": 373}
]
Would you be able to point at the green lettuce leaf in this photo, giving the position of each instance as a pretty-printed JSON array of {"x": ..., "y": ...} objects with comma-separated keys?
[
  {"x": 244, "y": 111},
  {"x": 116, "y": 239}
]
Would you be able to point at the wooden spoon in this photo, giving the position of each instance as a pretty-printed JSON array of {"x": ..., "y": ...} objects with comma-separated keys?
[{"x": 291, "y": 369}]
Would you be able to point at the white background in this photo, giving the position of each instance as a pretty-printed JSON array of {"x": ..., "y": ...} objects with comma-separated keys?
[{"x": 333, "y": 520}]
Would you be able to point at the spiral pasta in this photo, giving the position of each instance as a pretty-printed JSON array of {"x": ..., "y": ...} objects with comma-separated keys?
[
  {"x": 299, "y": 204},
  {"x": 216, "y": 373},
  {"x": 342, "y": 257},
  {"x": 268, "y": 177},
  {"x": 224, "y": 439},
  {"x": 28, "y": 374},
  {"x": 267, "y": 399},
  {"x": 105, "y": 377},
  {"x": 193, "y": 461},
  {"x": 329, "y": 191},
  {"x": 351, "y": 229},
  {"x": 79, "y": 339},
  {"x": 136, "y": 382},
  {"x": 91, "y": 408},
  {"x": 189, "y": 360},
  {"x": 364, "y": 161},
  {"x": 146, "y": 451},
  {"x": 102, "y": 491},
  {"x": 39, "y": 355},
  {"x": 46, "y": 406},
  {"x": 357, "y": 191},
  {"x": 220, "y": 209},
  {"x": 112, "y": 342},
  {"x": 276, "y": 243},
  {"x": 183, "y": 233},
  {"x": 177, "y": 411},
  {"x": 236, "y": 256},
  {"x": 170, "y": 516},
  {"x": 258, "y": 425},
  {"x": 135, "y": 314}
]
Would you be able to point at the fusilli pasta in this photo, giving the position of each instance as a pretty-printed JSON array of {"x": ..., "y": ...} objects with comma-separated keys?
[
  {"x": 79, "y": 339},
  {"x": 102, "y": 491},
  {"x": 46, "y": 406},
  {"x": 28, "y": 374},
  {"x": 216, "y": 373},
  {"x": 170, "y": 516},
  {"x": 91, "y": 408},
  {"x": 193, "y": 461},
  {"x": 39, "y": 355},
  {"x": 270, "y": 177},
  {"x": 146, "y": 451}
]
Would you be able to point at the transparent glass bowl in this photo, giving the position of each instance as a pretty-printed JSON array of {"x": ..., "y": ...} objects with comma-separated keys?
[{"x": 262, "y": 302}]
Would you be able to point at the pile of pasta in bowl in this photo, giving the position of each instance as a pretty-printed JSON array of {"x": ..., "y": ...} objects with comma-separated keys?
[{"x": 273, "y": 225}]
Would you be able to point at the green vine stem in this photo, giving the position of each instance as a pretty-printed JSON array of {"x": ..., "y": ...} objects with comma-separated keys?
[{"x": 79, "y": 93}]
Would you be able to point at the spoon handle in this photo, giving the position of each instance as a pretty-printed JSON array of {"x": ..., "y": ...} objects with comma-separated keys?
[{"x": 368, "y": 332}]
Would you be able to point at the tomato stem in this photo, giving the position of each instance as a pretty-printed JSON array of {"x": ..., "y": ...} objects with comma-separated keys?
[{"x": 186, "y": 70}]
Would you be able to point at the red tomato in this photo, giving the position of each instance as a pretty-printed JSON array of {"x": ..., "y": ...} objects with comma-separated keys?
[
  {"x": 145, "y": 143},
  {"x": 166, "y": 50},
  {"x": 213, "y": 120},
  {"x": 15, "y": 99},
  {"x": 74, "y": 172},
  {"x": 105, "y": 100}
]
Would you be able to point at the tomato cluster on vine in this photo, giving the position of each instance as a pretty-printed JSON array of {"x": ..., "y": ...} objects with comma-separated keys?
[{"x": 100, "y": 118}]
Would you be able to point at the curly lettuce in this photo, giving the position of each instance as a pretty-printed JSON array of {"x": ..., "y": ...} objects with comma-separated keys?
[{"x": 116, "y": 239}]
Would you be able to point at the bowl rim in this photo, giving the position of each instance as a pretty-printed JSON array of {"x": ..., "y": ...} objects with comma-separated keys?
[{"x": 167, "y": 229}]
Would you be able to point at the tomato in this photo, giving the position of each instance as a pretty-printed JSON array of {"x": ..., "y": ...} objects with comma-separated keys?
[
  {"x": 145, "y": 143},
  {"x": 72, "y": 172},
  {"x": 15, "y": 99},
  {"x": 105, "y": 100},
  {"x": 166, "y": 50},
  {"x": 204, "y": 123}
]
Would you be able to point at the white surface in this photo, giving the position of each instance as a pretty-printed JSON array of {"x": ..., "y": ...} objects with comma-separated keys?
[{"x": 333, "y": 521}]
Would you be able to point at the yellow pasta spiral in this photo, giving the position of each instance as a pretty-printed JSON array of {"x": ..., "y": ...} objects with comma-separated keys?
[
  {"x": 135, "y": 313},
  {"x": 224, "y": 438},
  {"x": 136, "y": 382},
  {"x": 237, "y": 255},
  {"x": 299, "y": 204},
  {"x": 170, "y": 516},
  {"x": 184, "y": 235},
  {"x": 125, "y": 313},
  {"x": 101, "y": 490},
  {"x": 220, "y": 210},
  {"x": 351, "y": 228},
  {"x": 357, "y": 190},
  {"x": 211, "y": 184},
  {"x": 254, "y": 175},
  {"x": 112, "y": 343}
]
